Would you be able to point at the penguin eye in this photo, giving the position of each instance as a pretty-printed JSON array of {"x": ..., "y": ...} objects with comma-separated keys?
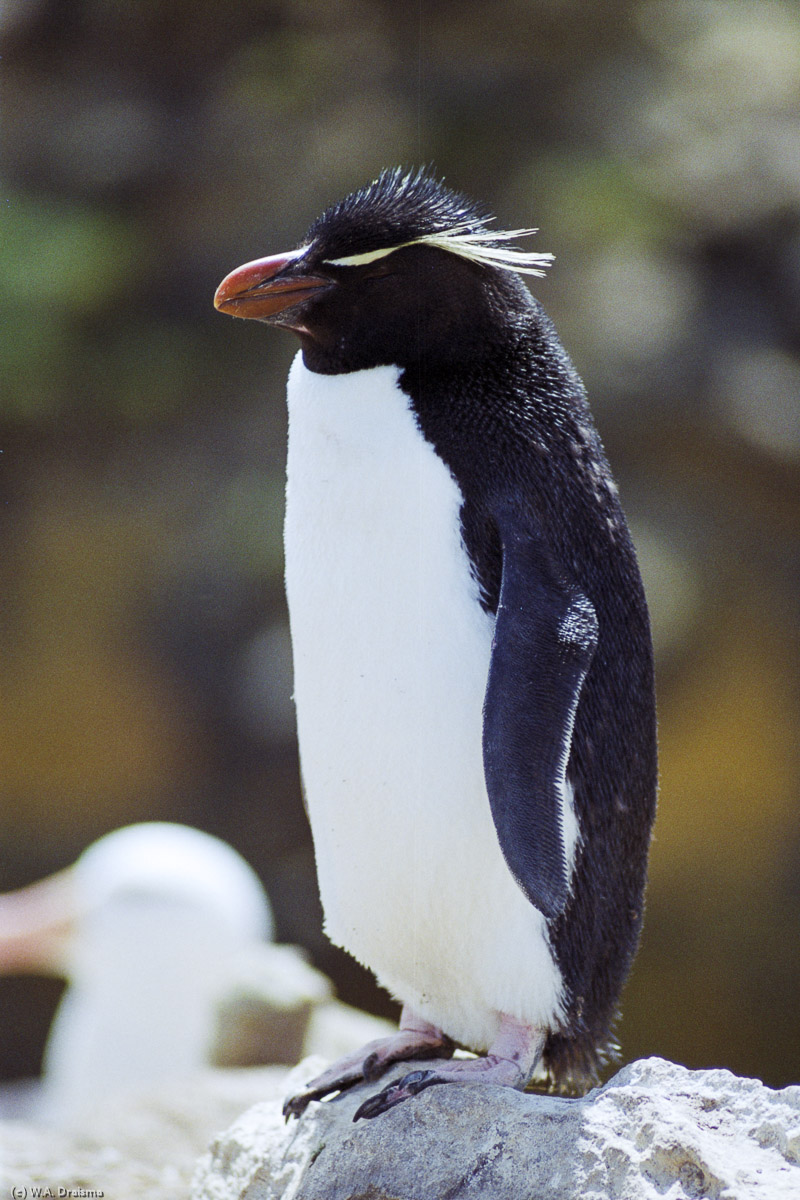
[{"x": 379, "y": 269}]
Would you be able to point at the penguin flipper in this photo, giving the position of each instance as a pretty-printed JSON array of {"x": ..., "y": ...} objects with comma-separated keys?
[{"x": 545, "y": 637}]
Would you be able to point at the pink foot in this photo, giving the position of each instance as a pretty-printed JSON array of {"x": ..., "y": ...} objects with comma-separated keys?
[
  {"x": 510, "y": 1062},
  {"x": 415, "y": 1039}
]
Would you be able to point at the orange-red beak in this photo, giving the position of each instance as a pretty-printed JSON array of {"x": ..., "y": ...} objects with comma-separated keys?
[{"x": 260, "y": 289}]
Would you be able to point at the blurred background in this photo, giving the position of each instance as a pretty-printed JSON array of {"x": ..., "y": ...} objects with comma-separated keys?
[{"x": 150, "y": 147}]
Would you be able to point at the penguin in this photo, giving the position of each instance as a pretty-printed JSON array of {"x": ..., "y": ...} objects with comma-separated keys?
[{"x": 473, "y": 664}]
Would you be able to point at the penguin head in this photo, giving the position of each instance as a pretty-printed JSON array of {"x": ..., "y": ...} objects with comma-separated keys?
[{"x": 396, "y": 268}]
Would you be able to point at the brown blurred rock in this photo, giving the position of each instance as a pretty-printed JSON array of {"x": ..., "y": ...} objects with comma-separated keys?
[{"x": 264, "y": 1015}]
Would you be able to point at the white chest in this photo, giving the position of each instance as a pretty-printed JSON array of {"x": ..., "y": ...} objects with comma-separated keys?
[
  {"x": 390, "y": 644},
  {"x": 391, "y": 656}
]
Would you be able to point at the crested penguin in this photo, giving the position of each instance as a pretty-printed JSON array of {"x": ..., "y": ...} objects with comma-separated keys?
[{"x": 472, "y": 655}]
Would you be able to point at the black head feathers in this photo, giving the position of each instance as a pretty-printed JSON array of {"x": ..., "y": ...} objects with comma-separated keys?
[
  {"x": 398, "y": 207},
  {"x": 402, "y": 208}
]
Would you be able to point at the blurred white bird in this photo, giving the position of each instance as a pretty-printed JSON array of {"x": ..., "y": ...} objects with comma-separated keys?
[{"x": 146, "y": 926}]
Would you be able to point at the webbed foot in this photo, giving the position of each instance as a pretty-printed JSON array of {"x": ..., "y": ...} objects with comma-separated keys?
[
  {"x": 510, "y": 1062},
  {"x": 415, "y": 1039}
]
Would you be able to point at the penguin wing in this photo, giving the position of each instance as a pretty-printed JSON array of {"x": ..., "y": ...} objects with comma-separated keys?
[{"x": 544, "y": 639}]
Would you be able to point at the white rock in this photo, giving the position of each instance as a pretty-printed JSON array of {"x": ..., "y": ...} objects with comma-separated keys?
[
  {"x": 656, "y": 1131},
  {"x": 143, "y": 1147}
]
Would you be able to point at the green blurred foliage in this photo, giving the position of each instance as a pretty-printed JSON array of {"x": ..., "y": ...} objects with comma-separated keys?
[
  {"x": 61, "y": 264},
  {"x": 76, "y": 259}
]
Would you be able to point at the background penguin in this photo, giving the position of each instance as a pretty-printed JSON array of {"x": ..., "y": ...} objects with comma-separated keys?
[
  {"x": 146, "y": 926},
  {"x": 473, "y": 666}
]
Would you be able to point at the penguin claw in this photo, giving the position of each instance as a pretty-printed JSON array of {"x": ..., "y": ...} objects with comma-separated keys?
[
  {"x": 295, "y": 1106},
  {"x": 395, "y": 1093}
]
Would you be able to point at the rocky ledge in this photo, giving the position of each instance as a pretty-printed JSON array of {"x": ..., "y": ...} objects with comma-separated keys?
[{"x": 654, "y": 1131}]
